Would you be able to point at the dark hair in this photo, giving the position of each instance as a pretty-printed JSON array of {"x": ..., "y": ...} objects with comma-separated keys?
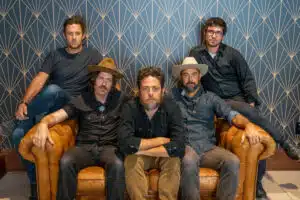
[
  {"x": 93, "y": 77},
  {"x": 76, "y": 19},
  {"x": 151, "y": 71},
  {"x": 213, "y": 21}
]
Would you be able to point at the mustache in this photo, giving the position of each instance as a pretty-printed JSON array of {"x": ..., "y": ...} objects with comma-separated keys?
[
  {"x": 191, "y": 83},
  {"x": 103, "y": 87}
]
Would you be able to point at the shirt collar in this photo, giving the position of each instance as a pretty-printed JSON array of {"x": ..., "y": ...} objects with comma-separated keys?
[{"x": 220, "y": 51}]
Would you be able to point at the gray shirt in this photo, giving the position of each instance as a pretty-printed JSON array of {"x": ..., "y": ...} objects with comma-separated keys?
[{"x": 198, "y": 116}]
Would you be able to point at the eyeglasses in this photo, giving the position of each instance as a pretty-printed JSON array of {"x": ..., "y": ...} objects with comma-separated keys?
[
  {"x": 212, "y": 32},
  {"x": 105, "y": 80}
]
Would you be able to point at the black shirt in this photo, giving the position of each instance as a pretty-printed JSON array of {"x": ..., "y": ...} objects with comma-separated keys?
[
  {"x": 69, "y": 71},
  {"x": 228, "y": 74},
  {"x": 166, "y": 122},
  {"x": 97, "y": 122}
]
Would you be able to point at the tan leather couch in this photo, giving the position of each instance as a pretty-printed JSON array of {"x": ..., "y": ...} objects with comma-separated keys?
[{"x": 91, "y": 180}]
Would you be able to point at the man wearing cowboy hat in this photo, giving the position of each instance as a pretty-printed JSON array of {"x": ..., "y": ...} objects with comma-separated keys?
[
  {"x": 230, "y": 77},
  {"x": 199, "y": 108},
  {"x": 98, "y": 113}
]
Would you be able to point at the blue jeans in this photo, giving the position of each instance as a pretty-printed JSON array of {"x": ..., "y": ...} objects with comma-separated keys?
[{"x": 50, "y": 99}]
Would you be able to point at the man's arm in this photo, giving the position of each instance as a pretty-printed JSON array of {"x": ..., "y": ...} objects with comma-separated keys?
[
  {"x": 246, "y": 79},
  {"x": 129, "y": 144},
  {"x": 224, "y": 110},
  {"x": 155, "y": 152},
  {"x": 34, "y": 88},
  {"x": 42, "y": 132},
  {"x": 250, "y": 129},
  {"x": 176, "y": 145}
]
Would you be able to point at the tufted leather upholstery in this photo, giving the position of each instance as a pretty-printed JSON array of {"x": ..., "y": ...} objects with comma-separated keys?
[{"x": 91, "y": 182}]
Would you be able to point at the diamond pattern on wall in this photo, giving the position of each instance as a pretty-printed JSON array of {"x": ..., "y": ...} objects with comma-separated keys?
[{"x": 138, "y": 33}]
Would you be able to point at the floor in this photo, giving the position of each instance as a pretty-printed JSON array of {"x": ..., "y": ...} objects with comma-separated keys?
[{"x": 280, "y": 185}]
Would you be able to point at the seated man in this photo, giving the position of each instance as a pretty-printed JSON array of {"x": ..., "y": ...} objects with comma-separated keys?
[
  {"x": 96, "y": 142},
  {"x": 66, "y": 71},
  {"x": 230, "y": 77},
  {"x": 151, "y": 136},
  {"x": 198, "y": 109}
]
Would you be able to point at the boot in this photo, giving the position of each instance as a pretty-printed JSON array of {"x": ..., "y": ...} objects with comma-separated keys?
[
  {"x": 33, "y": 192},
  {"x": 291, "y": 149},
  {"x": 260, "y": 192}
]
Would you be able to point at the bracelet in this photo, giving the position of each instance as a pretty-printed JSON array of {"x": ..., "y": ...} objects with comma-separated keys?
[{"x": 24, "y": 102}]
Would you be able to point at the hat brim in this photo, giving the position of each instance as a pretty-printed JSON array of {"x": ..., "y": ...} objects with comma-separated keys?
[
  {"x": 176, "y": 70},
  {"x": 99, "y": 68}
]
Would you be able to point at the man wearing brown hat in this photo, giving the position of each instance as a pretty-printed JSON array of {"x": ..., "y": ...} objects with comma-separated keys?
[
  {"x": 198, "y": 108},
  {"x": 98, "y": 113}
]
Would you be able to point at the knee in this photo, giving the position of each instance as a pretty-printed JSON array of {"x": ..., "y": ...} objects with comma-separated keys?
[
  {"x": 232, "y": 164},
  {"x": 17, "y": 136},
  {"x": 116, "y": 164},
  {"x": 51, "y": 90},
  {"x": 189, "y": 163},
  {"x": 66, "y": 162}
]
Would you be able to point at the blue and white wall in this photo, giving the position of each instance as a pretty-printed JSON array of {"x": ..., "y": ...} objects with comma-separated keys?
[{"x": 156, "y": 32}]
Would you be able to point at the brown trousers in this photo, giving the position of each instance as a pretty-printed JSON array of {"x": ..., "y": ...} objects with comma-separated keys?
[{"x": 136, "y": 180}]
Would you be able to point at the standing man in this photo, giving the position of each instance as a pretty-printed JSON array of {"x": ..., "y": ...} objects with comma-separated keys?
[
  {"x": 151, "y": 136},
  {"x": 199, "y": 108},
  {"x": 96, "y": 142},
  {"x": 230, "y": 78},
  {"x": 66, "y": 71}
]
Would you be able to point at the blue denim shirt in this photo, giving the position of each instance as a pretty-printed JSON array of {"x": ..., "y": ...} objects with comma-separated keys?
[{"x": 198, "y": 116}]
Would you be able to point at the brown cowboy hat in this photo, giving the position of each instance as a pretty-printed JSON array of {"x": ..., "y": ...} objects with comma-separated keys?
[
  {"x": 106, "y": 65},
  {"x": 188, "y": 63}
]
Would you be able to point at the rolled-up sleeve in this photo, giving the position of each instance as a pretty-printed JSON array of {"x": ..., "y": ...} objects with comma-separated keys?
[
  {"x": 223, "y": 109},
  {"x": 176, "y": 146},
  {"x": 128, "y": 143}
]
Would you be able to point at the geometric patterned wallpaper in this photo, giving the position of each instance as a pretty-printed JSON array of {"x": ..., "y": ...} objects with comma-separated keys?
[{"x": 156, "y": 32}]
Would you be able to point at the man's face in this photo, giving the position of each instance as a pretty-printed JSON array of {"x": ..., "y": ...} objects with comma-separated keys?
[
  {"x": 103, "y": 83},
  {"x": 190, "y": 79},
  {"x": 213, "y": 36},
  {"x": 74, "y": 36},
  {"x": 150, "y": 92}
]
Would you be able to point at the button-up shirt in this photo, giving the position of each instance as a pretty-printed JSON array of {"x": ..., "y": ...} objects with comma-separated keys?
[
  {"x": 198, "y": 116},
  {"x": 228, "y": 74},
  {"x": 97, "y": 122},
  {"x": 136, "y": 125}
]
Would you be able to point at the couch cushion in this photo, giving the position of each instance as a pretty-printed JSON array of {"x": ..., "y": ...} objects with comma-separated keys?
[{"x": 91, "y": 181}]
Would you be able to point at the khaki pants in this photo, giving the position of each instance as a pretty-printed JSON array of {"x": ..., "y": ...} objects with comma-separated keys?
[{"x": 136, "y": 180}]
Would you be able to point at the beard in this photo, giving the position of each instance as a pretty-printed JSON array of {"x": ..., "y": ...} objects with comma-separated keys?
[
  {"x": 153, "y": 104},
  {"x": 191, "y": 87}
]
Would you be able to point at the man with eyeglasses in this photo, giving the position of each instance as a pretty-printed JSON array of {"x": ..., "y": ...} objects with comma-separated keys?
[
  {"x": 230, "y": 77},
  {"x": 98, "y": 113}
]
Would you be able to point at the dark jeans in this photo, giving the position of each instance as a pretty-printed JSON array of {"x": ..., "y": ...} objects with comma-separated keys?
[
  {"x": 219, "y": 159},
  {"x": 254, "y": 116},
  {"x": 50, "y": 99},
  {"x": 78, "y": 158}
]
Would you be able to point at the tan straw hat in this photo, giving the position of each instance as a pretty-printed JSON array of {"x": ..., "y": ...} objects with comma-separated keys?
[{"x": 188, "y": 63}]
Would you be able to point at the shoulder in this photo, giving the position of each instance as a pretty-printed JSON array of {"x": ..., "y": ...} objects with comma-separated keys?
[
  {"x": 81, "y": 102},
  {"x": 195, "y": 50},
  {"x": 169, "y": 103},
  {"x": 230, "y": 49},
  {"x": 91, "y": 51}
]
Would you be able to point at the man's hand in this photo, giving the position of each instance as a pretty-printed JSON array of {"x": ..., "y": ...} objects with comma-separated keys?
[
  {"x": 41, "y": 136},
  {"x": 252, "y": 104},
  {"x": 252, "y": 134},
  {"x": 21, "y": 112}
]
